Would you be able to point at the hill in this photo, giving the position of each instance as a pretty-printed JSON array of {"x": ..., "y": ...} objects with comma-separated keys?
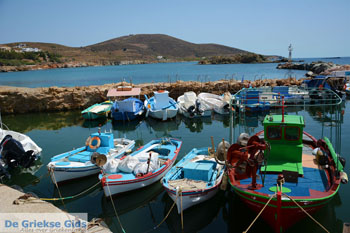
[{"x": 141, "y": 48}]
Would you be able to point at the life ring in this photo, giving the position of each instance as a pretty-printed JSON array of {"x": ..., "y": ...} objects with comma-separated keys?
[
  {"x": 98, "y": 143},
  {"x": 87, "y": 142}
]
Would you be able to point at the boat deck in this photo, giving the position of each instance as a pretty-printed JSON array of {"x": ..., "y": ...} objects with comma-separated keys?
[{"x": 314, "y": 178}]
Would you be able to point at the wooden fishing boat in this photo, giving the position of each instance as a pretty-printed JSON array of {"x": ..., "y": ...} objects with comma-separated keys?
[
  {"x": 161, "y": 106},
  {"x": 126, "y": 109},
  {"x": 192, "y": 107},
  {"x": 194, "y": 179},
  {"x": 97, "y": 111},
  {"x": 285, "y": 170},
  {"x": 141, "y": 168},
  {"x": 80, "y": 162}
]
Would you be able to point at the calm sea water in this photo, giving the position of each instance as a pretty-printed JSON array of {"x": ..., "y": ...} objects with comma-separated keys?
[
  {"x": 163, "y": 72},
  {"x": 143, "y": 209}
]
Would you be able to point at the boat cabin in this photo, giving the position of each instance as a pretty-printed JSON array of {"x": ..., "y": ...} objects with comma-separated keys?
[{"x": 285, "y": 135}]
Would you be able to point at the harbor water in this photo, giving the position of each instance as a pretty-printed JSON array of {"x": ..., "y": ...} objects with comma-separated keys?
[
  {"x": 142, "y": 210},
  {"x": 147, "y": 73}
]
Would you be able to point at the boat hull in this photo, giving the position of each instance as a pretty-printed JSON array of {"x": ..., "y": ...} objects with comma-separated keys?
[
  {"x": 113, "y": 188},
  {"x": 60, "y": 174},
  {"x": 163, "y": 114},
  {"x": 192, "y": 198},
  {"x": 290, "y": 213},
  {"x": 126, "y": 116}
]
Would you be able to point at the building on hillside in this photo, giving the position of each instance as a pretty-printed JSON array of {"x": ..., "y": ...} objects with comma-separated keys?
[
  {"x": 5, "y": 48},
  {"x": 35, "y": 50}
]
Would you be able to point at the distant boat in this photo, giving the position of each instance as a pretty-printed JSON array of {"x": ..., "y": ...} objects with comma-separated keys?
[
  {"x": 143, "y": 167},
  {"x": 190, "y": 106},
  {"x": 126, "y": 109},
  {"x": 194, "y": 179},
  {"x": 78, "y": 162},
  {"x": 161, "y": 106},
  {"x": 97, "y": 111},
  {"x": 220, "y": 104}
]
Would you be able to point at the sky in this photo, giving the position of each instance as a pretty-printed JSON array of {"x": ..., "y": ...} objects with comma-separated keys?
[{"x": 315, "y": 28}]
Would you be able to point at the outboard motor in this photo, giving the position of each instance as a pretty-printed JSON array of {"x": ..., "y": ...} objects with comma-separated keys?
[
  {"x": 13, "y": 154},
  {"x": 198, "y": 109},
  {"x": 191, "y": 110},
  {"x": 226, "y": 107}
]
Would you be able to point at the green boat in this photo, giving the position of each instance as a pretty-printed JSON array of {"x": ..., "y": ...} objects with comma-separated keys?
[{"x": 97, "y": 111}]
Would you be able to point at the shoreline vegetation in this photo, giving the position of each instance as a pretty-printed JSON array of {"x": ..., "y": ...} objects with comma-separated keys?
[{"x": 14, "y": 100}]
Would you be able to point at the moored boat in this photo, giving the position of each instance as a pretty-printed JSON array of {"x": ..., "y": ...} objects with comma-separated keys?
[
  {"x": 190, "y": 106},
  {"x": 194, "y": 179},
  {"x": 161, "y": 106},
  {"x": 220, "y": 104},
  {"x": 127, "y": 109},
  {"x": 141, "y": 168},
  {"x": 80, "y": 162},
  {"x": 283, "y": 171},
  {"x": 97, "y": 111}
]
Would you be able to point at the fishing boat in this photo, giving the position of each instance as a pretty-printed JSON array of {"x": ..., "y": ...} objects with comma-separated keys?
[
  {"x": 16, "y": 150},
  {"x": 80, "y": 162},
  {"x": 161, "y": 106},
  {"x": 194, "y": 179},
  {"x": 141, "y": 168},
  {"x": 190, "y": 106},
  {"x": 282, "y": 171},
  {"x": 253, "y": 100},
  {"x": 220, "y": 104},
  {"x": 126, "y": 109},
  {"x": 97, "y": 111}
]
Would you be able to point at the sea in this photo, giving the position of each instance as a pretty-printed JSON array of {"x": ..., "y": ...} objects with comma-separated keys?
[
  {"x": 158, "y": 72},
  {"x": 142, "y": 210}
]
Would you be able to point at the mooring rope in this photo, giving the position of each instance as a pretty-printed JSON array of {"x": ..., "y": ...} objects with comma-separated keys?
[
  {"x": 182, "y": 215},
  {"x": 259, "y": 213},
  {"x": 71, "y": 197},
  {"x": 166, "y": 216},
  {"x": 115, "y": 210},
  {"x": 306, "y": 212}
]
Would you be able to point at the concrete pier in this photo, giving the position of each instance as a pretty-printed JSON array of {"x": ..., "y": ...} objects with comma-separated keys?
[{"x": 10, "y": 203}]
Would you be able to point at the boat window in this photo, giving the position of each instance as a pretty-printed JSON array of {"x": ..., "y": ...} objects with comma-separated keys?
[
  {"x": 292, "y": 133},
  {"x": 274, "y": 132}
]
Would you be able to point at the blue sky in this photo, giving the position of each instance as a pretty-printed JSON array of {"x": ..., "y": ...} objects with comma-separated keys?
[{"x": 315, "y": 28}]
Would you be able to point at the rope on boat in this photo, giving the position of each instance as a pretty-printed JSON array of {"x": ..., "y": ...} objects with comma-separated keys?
[
  {"x": 259, "y": 213},
  {"x": 115, "y": 210},
  {"x": 306, "y": 212}
]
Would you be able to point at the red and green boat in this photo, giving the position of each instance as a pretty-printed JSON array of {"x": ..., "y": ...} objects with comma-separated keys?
[{"x": 284, "y": 170}]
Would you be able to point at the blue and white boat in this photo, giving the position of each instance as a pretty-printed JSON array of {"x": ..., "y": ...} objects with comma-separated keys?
[
  {"x": 143, "y": 167},
  {"x": 126, "y": 109},
  {"x": 194, "y": 179},
  {"x": 77, "y": 163},
  {"x": 161, "y": 106}
]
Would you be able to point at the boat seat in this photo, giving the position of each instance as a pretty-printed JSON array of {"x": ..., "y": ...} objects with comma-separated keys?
[
  {"x": 284, "y": 157},
  {"x": 82, "y": 157},
  {"x": 202, "y": 170}
]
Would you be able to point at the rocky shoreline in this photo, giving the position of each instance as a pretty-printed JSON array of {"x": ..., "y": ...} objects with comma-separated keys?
[
  {"x": 14, "y": 100},
  {"x": 323, "y": 68}
]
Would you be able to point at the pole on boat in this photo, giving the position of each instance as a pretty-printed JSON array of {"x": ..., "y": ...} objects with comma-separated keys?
[
  {"x": 149, "y": 161},
  {"x": 212, "y": 152}
]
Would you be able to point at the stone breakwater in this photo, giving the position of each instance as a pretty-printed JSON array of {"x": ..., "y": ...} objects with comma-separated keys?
[
  {"x": 15, "y": 100},
  {"x": 323, "y": 68}
]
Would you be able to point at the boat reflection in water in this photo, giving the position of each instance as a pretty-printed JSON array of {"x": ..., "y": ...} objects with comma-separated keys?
[
  {"x": 196, "y": 217},
  {"x": 162, "y": 128},
  {"x": 94, "y": 123},
  {"x": 196, "y": 124},
  {"x": 125, "y": 203}
]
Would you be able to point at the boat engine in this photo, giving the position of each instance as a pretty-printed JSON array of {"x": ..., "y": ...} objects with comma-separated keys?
[
  {"x": 13, "y": 154},
  {"x": 198, "y": 109},
  {"x": 191, "y": 110}
]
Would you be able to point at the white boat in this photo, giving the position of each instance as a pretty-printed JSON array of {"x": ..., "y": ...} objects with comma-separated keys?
[
  {"x": 194, "y": 179},
  {"x": 220, "y": 104},
  {"x": 190, "y": 106},
  {"x": 78, "y": 163},
  {"x": 161, "y": 106},
  {"x": 143, "y": 167},
  {"x": 27, "y": 142}
]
